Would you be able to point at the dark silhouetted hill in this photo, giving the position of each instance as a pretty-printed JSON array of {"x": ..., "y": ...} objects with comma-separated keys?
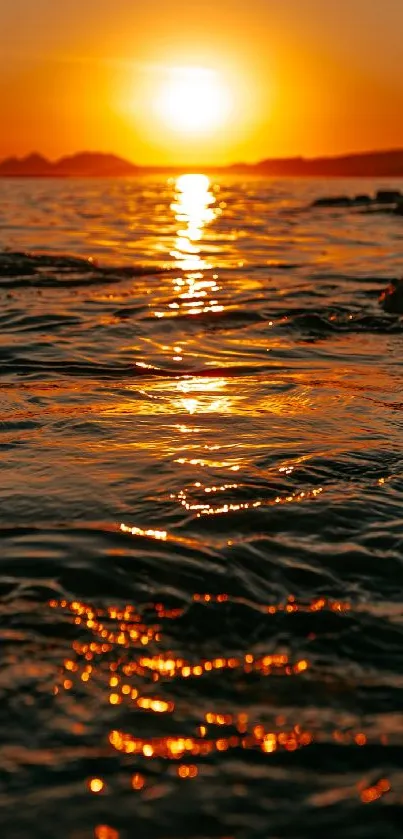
[
  {"x": 382, "y": 164},
  {"x": 94, "y": 164},
  {"x": 366, "y": 164},
  {"x": 81, "y": 165},
  {"x": 34, "y": 166}
]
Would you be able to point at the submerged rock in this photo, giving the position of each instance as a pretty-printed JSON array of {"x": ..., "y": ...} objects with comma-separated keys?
[
  {"x": 391, "y": 299},
  {"x": 388, "y": 196},
  {"x": 362, "y": 199},
  {"x": 385, "y": 201},
  {"x": 335, "y": 201}
]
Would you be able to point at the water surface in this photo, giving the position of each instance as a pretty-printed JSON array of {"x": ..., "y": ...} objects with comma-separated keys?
[{"x": 201, "y": 512}]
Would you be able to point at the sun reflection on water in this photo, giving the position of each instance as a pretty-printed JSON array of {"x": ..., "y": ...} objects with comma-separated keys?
[
  {"x": 194, "y": 208},
  {"x": 203, "y": 395}
]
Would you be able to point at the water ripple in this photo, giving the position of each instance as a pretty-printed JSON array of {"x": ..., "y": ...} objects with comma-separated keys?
[{"x": 201, "y": 487}]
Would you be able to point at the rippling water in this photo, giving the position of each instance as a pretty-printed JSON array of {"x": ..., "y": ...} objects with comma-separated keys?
[{"x": 201, "y": 512}]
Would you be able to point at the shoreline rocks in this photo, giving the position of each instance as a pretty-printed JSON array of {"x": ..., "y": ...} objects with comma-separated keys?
[
  {"x": 391, "y": 298},
  {"x": 385, "y": 200}
]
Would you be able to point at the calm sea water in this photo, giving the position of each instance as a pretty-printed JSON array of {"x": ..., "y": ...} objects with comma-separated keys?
[{"x": 201, "y": 512}]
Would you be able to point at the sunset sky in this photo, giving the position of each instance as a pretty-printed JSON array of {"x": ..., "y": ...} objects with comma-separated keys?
[{"x": 269, "y": 77}]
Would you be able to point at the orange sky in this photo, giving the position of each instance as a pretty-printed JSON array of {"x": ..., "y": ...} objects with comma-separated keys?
[{"x": 303, "y": 76}]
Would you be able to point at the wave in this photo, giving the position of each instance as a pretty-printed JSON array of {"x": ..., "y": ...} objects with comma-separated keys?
[{"x": 19, "y": 269}]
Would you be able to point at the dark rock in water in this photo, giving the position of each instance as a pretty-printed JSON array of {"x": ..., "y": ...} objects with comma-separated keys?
[
  {"x": 391, "y": 299},
  {"x": 336, "y": 201},
  {"x": 388, "y": 196},
  {"x": 362, "y": 199},
  {"x": 385, "y": 201}
]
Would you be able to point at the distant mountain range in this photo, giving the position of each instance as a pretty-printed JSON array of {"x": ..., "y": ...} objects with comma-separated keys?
[
  {"x": 385, "y": 164},
  {"x": 83, "y": 164}
]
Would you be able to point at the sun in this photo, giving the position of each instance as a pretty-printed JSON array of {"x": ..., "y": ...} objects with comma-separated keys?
[{"x": 193, "y": 100}]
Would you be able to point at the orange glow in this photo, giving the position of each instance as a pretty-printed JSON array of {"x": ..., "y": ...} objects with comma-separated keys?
[
  {"x": 96, "y": 785},
  {"x": 371, "y": 794},
  {"x": 124, "y": 77},
  {"x": 279, "y": 64},
  {"x": 301, "y": 666},
  {"x": 137, "y": 531},
  {"x": 103, "y": 831},
  {"x": 138, "y": 781}
]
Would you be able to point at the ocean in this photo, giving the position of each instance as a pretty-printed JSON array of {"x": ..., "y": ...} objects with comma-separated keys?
[{"x": 201, "y": 489}]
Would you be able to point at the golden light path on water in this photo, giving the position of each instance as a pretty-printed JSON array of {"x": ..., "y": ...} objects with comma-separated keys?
[
  {"x": 196, "y": 292},
  {"x": 194, "y": 208}
]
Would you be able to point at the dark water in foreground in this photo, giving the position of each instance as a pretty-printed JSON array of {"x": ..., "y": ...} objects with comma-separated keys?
[{"x": 201, "y": 513}]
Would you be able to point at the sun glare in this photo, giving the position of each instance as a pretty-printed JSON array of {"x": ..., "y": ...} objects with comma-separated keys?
[{"x": 194, "y": 100}]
